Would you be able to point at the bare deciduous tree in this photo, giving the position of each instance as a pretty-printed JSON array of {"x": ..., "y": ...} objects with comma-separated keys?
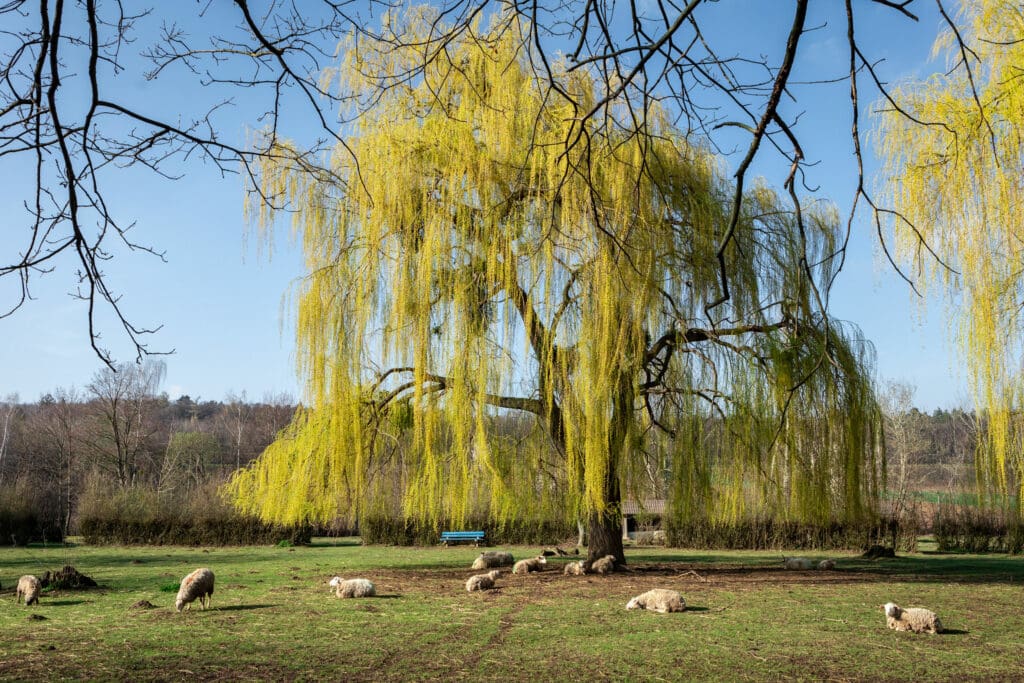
[
  {"x": 66, "y": 113},
  {"x": 123, "y": 397}
]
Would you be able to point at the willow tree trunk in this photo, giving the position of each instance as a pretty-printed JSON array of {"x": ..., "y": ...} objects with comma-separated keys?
[
  {"x": 606, "y": 532},
  {"x": 606, "y": 525}
]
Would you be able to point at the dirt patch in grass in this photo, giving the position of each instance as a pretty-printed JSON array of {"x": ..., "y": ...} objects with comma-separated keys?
[{"x": 527, "y": 588}]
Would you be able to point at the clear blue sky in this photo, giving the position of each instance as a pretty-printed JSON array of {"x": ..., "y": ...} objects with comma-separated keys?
[{"x": 222, "y": 304}]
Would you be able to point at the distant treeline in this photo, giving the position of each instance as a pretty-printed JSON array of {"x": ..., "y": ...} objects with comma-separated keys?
[
  {"x": 122, "y": 462},
  {"x": 119, "y": 433}
]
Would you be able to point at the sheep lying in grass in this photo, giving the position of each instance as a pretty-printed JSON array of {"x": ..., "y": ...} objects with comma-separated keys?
[
  {"x": 658, "y": 600},
  {"x": 797, "y": 563},
  {"x": 493, "y": 558},
  {"x": 533, "y": 564},
  {"x": 827, "y": 564},
  {"x": 197, "y": 585},
  {"x": 482, "y": 582},
  {"x": 29, "y": 588},
  {"x": 602, "y": 565},
  {"x": 575, "y": 568},
  {"x": 915, "y": 619},
  {"x": 353, "y": 588}
]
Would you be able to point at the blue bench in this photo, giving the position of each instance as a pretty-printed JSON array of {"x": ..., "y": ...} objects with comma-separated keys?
[{"x": 456, "y": 536}]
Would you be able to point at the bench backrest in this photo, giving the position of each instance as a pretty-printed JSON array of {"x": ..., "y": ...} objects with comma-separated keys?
[{"x": 457, "y": 535}]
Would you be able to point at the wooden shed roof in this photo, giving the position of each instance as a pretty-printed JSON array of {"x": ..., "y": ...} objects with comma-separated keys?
[{"x": 648, "y": 506}]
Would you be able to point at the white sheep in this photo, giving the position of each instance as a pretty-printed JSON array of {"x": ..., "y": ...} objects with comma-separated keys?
[
  {"x": 827, "y": 564},
  {"x": 197, "y": 585},
  {"x": 602, "y": 565},
  {"x": 29, "y": 588},
  {"x": 575, "y": 569},
  {"x": 915, "y": 619},
  {"x": 482, "y": 582},
  {"x": 353, "y": 588},
  {"x": 532, "y": 564},
  {"x": 797, "y": 563},
  {"x": 658, "y": 600},
  {"x": 493, "y": 558}
]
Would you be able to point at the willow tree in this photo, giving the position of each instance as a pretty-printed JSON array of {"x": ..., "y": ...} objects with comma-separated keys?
[
  {"x": 952, "y": 151},
  {"x": 490, "y": 249}
]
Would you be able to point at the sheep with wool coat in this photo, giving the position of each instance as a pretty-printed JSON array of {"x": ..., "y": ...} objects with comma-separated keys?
[
  {"x": 493, "y": 558},
  {"x": 658, "y": 600},
  {"x": 602, "y": 565},
  {"x": 578, "y": 568},
  {"x": 197, "y": 585},
  {"x": 353, "y": 588},
  {"x": 29, "y": 588},
  {"x": 532, "y": 564},
  {"x": 914, "y": 619},
  {"x": 797, "y": 563},
  {"x": 482, "y": 582}
]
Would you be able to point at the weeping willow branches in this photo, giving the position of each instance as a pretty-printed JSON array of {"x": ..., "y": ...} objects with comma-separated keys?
[
  {"x": 959, "y": 182},
  {"x": 501, "y": 252}
]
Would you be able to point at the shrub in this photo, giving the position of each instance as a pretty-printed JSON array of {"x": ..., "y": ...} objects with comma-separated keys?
[
  {"x": 771, "y": 534},
  {"x": 385, "y": 530},
  {"x": 141, "y": 516},
  {"x": 969, "y": 529},
  {"x": 25, "y": 516}
]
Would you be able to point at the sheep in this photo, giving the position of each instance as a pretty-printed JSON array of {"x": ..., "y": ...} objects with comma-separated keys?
[
  {"x": 827, "y": 564},
  {"x": 575, "y": 568},
  {"x": 353, "y": 588},
  {"x": 915, "y": 619},
  {"x": 198, "y": 584},
  {"x": 533, "y": 564},
  {"x": 797, "y": 563},
  {"x": 482, "y": 582},
  {"x": 658, "y": 600},
  {"x": 493, "y": 558},
  {"x": 603, "y": 565},
  {"x": 28, "y": 590}
]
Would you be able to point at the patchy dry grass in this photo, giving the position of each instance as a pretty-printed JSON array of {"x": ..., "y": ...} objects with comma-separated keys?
[{"x": 274, "y": 618}]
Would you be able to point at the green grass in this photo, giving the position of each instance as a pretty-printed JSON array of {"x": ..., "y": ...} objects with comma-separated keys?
[
  {"x": 273, "y": 618},
  {"x": 963, "y": 498}
]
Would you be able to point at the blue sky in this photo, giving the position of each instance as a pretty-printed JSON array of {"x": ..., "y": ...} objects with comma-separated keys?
[{"x": 222, "y": 303}]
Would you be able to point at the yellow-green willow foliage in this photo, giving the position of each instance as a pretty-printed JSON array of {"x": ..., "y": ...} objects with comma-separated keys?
[
  {"x": 958, "y": 179},
  {"x": 491, "y": 251}
]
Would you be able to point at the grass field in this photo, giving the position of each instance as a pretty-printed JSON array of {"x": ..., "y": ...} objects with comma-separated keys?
[{"x": 273, "y": 618}]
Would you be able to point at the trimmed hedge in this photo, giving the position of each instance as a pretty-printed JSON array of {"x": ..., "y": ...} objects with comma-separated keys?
[
  {"x": 19, "y": 527},
  {"x": 182, "y": 531},
  {"x": 379, "y": 530},
  {"x": 975, "y": 530},
  {"x": 769, "y": 534}
]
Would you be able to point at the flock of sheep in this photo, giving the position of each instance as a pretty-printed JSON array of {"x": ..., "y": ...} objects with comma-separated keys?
[
  {"x": 198, "y": 585},
  {"x": 663, "y": 600}
]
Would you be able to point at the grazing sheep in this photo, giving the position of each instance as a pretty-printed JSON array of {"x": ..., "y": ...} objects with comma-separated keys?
[
  {"x": 915, "y": 619},
  {"x": 603, "y": 565},
  {"x": 198, "y": 584},
  {"x": 353, "y": 588},
  {"x": 797, "y": 563},
  {"x": 658, "y": 600},
  {"x": 482, "y": 582},
  {"x": 575, "y": 568},
  {"x": 533, "y": 564},
  {"x": 29, "y": 588},
  {"x": 827, "y": 564},
  {"x": 493, "y": 558}
]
